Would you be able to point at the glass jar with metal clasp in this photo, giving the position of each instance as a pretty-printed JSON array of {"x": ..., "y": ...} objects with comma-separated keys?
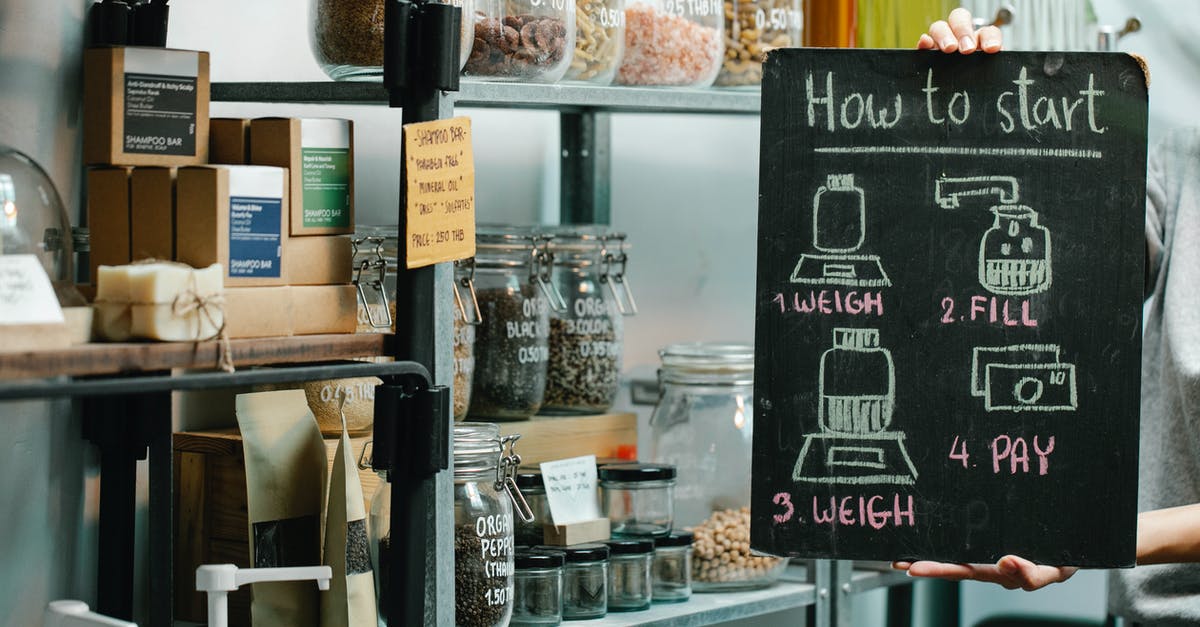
[
  {"x": 375, "y": 271},
  {"x": 467, "y": 316}
]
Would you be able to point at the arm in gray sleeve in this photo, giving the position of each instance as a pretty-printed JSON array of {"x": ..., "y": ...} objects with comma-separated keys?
[{"x": 1156, "y": 209}]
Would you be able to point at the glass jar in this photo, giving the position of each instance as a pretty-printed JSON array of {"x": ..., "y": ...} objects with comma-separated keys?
[
  {"x": 583, "y": 375},
  {"x": 672, "y": 42},
  {"x": 630, "y": 587},
  {"x": 721, "y": 557},
  {"x": 484, "y": 496},
  {"x": 347, "y": 37},
  {"x": 515, "y": 295},
  {"x": 34, "y": 221},
  {"x": 466, "y": 317},
  {"x": 638, "y": 499},
  {"x": 375, "y": 270},
  {"x": 537, "y": 598},
  {"x": 599, "y": 41},
  {"x": 585, "y": 581},
  {"x": 673, "y": 568},
  {"x": 752, "y": 29},
  {"x": 522, "y": 40},
  {"x": 532, "y": 533}
]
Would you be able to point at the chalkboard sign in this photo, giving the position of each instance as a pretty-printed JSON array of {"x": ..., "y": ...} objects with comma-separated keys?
[{"x": 948, "y": 339}]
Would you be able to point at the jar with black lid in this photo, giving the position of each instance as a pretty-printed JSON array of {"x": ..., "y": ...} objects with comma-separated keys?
[
  {"x": 531, "y": 533},
  {"x": 630, "y": 586},
  {"x": 585, "y": 581},
  {"x": 673, "y": 567},
  {"x": 639, "y": 499},
  {"x": 537, "y": 596}
]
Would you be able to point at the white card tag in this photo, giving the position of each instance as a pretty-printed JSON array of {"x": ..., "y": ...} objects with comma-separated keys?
[
  {"x": 26, "y": 296},
  {"x": 571, "y": 489}
]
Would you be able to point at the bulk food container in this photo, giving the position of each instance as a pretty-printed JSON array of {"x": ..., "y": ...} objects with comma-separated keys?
[
  {"x": 753, "y": 28},
  {"x": 347, "y": 37},
  {"x": 522, "y": 40},
  {"x": 672, "y": 42}
]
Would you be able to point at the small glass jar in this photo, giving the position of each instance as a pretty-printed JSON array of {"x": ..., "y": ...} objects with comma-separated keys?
[
  {"x": 639, "y": 499},
  {"x": 532, "y": 533},
  {"x": 522, "y": 40},
  {"x": 599, "y": 41},
  {"x": 515, "y": 295},
  {"x": 583, "y": 375},
  {"x": 585, "y": 581},
  {"x": 752, "y": 29},
  {"x": 484, "y": 497},
  {"x": 630, "y": 586},
  {"x": 673, "y": 567},
  {"x": 538, "y": 598},
  {"x": 347, "y": 37},
  {"x": 672, "y": 42},
  {"x": 375, "y": 272},
  {"x": 466, "y": 317}
]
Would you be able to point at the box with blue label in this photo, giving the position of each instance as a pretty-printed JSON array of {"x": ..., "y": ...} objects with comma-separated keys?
[{"x": 234, "y": 215}]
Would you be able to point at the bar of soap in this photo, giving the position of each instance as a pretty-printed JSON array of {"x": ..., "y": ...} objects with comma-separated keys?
[
  {"x": 174, "y": 303},
  {"x": 112, "y": 319}
]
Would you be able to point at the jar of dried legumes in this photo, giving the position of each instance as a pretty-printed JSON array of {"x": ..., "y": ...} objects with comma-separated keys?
[
  {"x": 753, "y": 28},
  {"x": 347, "y": 36},
  {"x": 522, "y": 40},
  {"x": 466, "y": 317},
  {"x": 672, "y": 42},
  {"x": 599, "y": 41}
]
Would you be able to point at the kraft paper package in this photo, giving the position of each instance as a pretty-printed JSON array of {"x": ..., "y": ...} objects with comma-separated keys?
[
  {"x": 285, "y": 492},
  {"x": 350, "y": 601}
]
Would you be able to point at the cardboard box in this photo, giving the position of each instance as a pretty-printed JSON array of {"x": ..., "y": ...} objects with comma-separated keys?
[
  {"x": 108, "y": 218},
  {"x": 229, "y": 141},
  {"x": 152, "y": 213},
  {"x": 234, "y": 215},
  {"x": 318, "y": 309},
  {"x": 258, "y": 311},
  {"x": 319, "y": 153},
  {"x": 145, "y": 106},
  {"x": 318, "y": 260}
]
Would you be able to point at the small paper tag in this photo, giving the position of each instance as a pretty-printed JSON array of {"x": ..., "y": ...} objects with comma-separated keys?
[
  {"x": 26, "y": 296},
  {"x": 571, "y": 489},
  {"x": 440, "y": 183}
]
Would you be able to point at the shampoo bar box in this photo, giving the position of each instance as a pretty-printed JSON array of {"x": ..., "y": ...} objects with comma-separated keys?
[
  {"x": 319, "y": 309},
  {"x": 229, "y": 141},
  {"x": 319, "y": 153},
  {"x": 145, "y": 106},
  {"x": 152, "y": 213},
  {"x": 235, "y": 216},
  {"x": 108, "y": 218},
  {"x": 258, "y": 312},
  {"x": 319, "y": 260}
]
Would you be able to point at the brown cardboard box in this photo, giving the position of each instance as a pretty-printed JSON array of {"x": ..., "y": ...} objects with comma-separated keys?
[
  {"x": 152, "y": 213},
  {"x": 318, "y": 260},
  {"x": 229, "y": 141},
  {"x": 258, "y": 311},
  {"x": 108, "y": 217},
  {"x": 320, "y": 309},
  {"x": 145, "y": 106},
  {"x": 234, "y": 215},
  {"x": 319, "y": 153}
]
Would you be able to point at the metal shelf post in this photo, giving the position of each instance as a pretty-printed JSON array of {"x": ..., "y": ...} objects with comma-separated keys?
[{"x": 586, "y": 167}]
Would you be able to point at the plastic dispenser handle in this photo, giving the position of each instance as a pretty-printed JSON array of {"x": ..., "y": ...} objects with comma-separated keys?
[
  {"x": 948, "y": 189},
  {"x": 218, "y": 580},
  {"x": 68, "y": 613}
]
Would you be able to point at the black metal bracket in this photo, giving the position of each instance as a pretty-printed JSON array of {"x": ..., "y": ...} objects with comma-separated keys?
[{"x": 421, "y": 47}]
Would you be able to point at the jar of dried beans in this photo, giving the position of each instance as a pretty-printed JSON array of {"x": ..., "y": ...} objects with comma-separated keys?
[
  {"x": 467, "y": 316},
  {"x": 515, "y": 295},
  {"x": 585, "y": 337},
  {"x": 599, "y": 41},
  {"x": 347, "y": 37},
  {"x": 753, "y": 28},
  {"x": 672, "y": 42},
  {"x": 522, "y": 40}
]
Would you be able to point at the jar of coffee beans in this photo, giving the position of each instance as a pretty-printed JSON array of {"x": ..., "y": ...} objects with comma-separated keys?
[
  {"x": 522, "y": 40},
  {"x": 347, "y": 36},
  {"x": 584, "y": 371}
]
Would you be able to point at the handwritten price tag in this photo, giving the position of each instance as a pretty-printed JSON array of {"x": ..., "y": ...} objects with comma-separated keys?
[
  {"x": 26, "y": 296},
  {"x": 571, "y": 489},
  {"x": 440, "y": 183}
]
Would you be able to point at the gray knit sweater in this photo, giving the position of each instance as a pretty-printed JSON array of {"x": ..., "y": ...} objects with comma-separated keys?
[{"x": 1170, "y": 431}]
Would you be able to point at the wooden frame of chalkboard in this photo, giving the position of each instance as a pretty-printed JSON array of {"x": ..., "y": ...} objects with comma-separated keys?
[{"x": 948, "y": 324}]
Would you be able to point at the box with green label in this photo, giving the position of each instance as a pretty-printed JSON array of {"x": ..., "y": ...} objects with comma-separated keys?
[{"x": 319, "y": 154}]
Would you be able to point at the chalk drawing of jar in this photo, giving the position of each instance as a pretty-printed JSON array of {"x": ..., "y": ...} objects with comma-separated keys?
[
  {"x": 857, "y": 384},
  {"x": 1014, "y": 256},
  {"x": 839, "y": 215}
]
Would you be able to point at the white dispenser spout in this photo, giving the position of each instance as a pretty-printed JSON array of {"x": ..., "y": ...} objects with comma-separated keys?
[
  {"x": 218, "y": 580},
  {"x": 948, "y": 190},
  {"x": 68, "y": 613}
]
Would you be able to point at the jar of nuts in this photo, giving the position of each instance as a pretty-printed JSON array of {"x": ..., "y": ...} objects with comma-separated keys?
[
  {"x": 347, "y": 37},
  {"x": 722, "y": 559},
  {"x": 672, "y": 42},
  {"x": 522, "y": 40},
  {"x": 599, "y": 41},
  {"x": 753, "y": 28}
]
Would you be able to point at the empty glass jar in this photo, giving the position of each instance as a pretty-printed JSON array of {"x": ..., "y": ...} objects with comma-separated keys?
[
  {"x": 538, "y": 588},
  {"x": 522, "y": 40},
  {"x": 630, "y": 587},
  {"x": 673, "y": 567},
  {"x": 638, "y": 499},
  {"x": 531, "y": 533},
  {"x": 585, "y": 581}
]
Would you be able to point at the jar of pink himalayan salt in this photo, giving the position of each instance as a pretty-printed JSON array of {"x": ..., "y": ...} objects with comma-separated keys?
[{"x": 672, "y": 42}]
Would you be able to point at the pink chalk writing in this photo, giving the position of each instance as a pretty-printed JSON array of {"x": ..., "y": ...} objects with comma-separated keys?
[
  {"x": 783, "y": 499},
  {"x": 1016, "y": 451},
  {"x": 828, "y": 302},
  {"x": 990, "y": 310},
  {"x": 864, "y": 511}
]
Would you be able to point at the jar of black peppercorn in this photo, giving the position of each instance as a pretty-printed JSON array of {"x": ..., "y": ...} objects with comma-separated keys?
[
  {"x": 584, "y": 371},
  {"x": 630, "y": 586},
  {"x": 485, "y": 497},
  {"x": 515, "y": 296},
  {"x": 537, "y": 596}
]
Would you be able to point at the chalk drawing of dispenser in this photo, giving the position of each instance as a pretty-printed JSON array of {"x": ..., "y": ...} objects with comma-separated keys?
[
  {"x": 839, "y": 228},
  {"x": 1014, "y": 255},
  {"x": 857, "y": 397}
]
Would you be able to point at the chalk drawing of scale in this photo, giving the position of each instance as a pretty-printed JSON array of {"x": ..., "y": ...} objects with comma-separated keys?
[
  {"x": 839, "y": 230},
  {"x": 857, "y": 397},
  {"x": 1014, "y": 254}
]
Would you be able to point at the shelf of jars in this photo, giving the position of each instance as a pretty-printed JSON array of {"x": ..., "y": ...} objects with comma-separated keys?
[{"x": 616, "y": 99}]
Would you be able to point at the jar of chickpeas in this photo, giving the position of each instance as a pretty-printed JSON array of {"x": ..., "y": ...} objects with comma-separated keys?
[{"x": 753, "y": 28}]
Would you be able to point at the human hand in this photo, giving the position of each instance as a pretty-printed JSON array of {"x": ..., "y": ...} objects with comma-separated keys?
[
  {"x": 1011, "y": 571},
  {"x": 957, "y": 34}
]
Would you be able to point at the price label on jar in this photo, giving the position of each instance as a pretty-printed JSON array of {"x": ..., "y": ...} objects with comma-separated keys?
[
  {"x": 439, "y": 167},
  {"x": 571, "y": 489}
]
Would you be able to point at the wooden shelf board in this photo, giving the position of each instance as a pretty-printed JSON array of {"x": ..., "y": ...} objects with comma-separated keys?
[{"x": 546, "y": 438}]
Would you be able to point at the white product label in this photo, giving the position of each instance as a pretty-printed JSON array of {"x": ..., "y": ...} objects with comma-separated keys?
[
  {"x": 26, "y": 296},
  {"x": 571, "y": 489}
]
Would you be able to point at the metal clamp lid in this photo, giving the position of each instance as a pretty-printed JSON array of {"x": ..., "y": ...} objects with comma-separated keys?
[
  {"x": 506, "y": 469},
  {"x": 613, "y": 273},
  {"x": 467, "y": 281},
  {"x": 377, "y": 264},
  {"x": 540, "y": 267}
]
